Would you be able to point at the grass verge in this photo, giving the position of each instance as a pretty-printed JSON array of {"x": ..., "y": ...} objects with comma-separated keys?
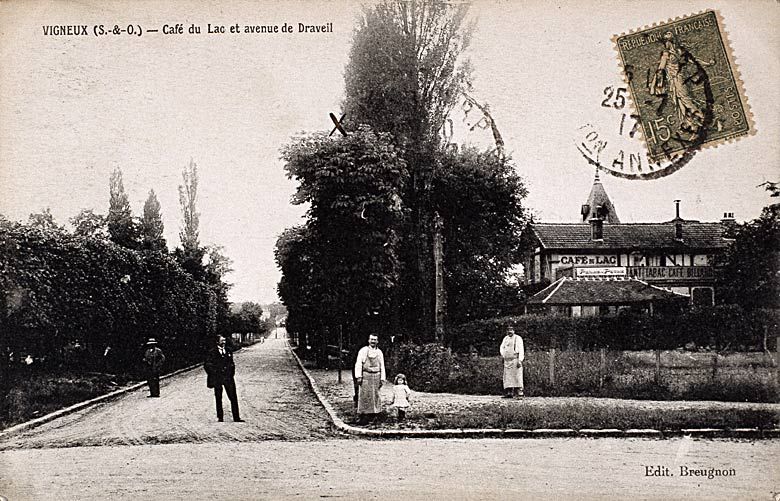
[
  {"x": 580, "y": 415},
  {"x": 40, "y": 394},
  {"x": 430, "y": 411}
]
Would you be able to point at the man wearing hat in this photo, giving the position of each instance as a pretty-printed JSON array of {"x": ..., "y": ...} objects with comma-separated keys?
[
  {"x": 220, "y": 373},
  {"x": 154, "y": 360}
]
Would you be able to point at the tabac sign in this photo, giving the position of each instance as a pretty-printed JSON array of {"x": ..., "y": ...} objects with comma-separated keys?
[{"x": 652, "y": 273}]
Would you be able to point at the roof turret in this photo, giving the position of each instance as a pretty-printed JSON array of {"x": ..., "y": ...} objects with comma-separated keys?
[{"x": 599, "y": 206}]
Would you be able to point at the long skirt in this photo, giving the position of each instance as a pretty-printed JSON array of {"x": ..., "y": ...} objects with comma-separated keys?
[
  {"x": 368, "y": 396},
  {"x": 513, "y": 375}
]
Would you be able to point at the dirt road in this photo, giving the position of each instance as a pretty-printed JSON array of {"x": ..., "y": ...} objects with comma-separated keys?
[
  {"x": 172, "y": 448},
  {"x": 273, "y": 396},
  {"x": 399, "y": 469}
]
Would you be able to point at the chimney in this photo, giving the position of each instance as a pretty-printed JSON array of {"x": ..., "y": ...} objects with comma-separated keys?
[
  {"x": 729, "y": 224},
  {"x": 678, "y": 234},
  {"x": 596, "y": 229}
]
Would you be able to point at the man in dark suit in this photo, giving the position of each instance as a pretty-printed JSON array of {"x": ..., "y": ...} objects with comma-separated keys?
[
  {"x": 220, "y": 370},
  {"x": 154, "y": 360}
]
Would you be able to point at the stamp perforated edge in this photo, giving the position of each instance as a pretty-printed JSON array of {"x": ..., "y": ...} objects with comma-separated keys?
[{"x": 738, "y": 82}]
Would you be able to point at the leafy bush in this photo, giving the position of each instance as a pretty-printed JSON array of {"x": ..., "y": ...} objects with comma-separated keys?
[
  {"x": 726, "y": 326},
  {"x": 433, "y": 368},
  {"x": 428, "y": 365}
]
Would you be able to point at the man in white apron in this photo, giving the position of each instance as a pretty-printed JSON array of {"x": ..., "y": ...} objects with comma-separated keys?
[
  {"x": 513, "y": 354},
  {"x": 370, "y": 375}
]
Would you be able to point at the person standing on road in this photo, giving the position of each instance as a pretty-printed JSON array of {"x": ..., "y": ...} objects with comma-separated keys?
[
  {"x": 154, "y": 360},
  {"x": 220, "y": 372},
  {"x": 513, "y": 354},
  {"x": 370, "y": 375}
]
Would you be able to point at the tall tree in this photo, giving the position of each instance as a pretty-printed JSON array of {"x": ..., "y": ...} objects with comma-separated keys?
[
  {"x": 347, "y": 252},
  {"x": 121, "y": 228},
  {"x": 188, "y": 195},
  {"x": 479, "y": 197},
  {"x": 218, "y": 263},
  {"x": 152, "y": 225},
  {"x": 404, "y": 77},
  {"x": 88, "y": 224},
  {"x": 216, "y": 266},
  {"x": 749, "y": 272},
  {"x": 301, "y": 285}
]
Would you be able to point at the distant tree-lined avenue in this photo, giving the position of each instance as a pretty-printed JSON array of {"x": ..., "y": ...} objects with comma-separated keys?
[{"x": 87, "y": 300}]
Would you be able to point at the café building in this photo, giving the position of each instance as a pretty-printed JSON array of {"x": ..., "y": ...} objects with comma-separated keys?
[{"x": 597, "y": 261}]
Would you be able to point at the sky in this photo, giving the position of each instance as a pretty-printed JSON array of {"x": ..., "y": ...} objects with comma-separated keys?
[{"x": 74, "y": 108}]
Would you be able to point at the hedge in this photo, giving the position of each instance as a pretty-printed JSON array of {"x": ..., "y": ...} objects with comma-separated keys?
[
  {"x": 65, "y": 299},
  {"x": 719, "y": 327},
  {"x": 434, "y": 368}
]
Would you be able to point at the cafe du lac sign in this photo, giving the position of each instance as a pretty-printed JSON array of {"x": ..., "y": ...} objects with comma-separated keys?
[{"x": 595, "y": 260}]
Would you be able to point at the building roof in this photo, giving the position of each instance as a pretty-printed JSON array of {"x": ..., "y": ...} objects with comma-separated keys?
[
  {"x": 573, "y": 291},
  {"x": 695, "y": 235},
  {"x": 598, "y": 198}
]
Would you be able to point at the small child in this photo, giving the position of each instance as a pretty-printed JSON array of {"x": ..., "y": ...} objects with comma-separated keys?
[{"x": 401, "y": 394}]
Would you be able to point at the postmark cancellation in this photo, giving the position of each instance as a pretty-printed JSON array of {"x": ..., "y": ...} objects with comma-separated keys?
[{"x": 684, "y": 85}]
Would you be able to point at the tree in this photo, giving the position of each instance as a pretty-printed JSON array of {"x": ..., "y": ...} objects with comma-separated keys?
[
  {"x": 247, "y": 317},
  {"x": 191, "y": 254},
  {"x": 59, "y": 289},
  {"x": 344, "y": 262},
  {"x": 748, "y": 273},
  {"x": 121, "y": 228},
  {"x": 88, "y": 224},
  {"x": 188, "y": 195},
  {"x": 217, "y": 263},
  {"x": 152, "y": 225},
  {"x": 403, "y": 77},
  {"x": 302, "y": 282},
  {"x": 479, "y": 197},
  {"x": 44, "y": 220},
  {"x": 276, "y": 311}
]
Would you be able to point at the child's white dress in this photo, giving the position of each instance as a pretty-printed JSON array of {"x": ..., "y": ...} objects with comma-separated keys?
[{"x": 401, "y": 393}]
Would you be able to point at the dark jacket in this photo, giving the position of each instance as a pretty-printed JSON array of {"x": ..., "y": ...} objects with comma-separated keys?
[
  {"x": 154, "y": 360},
  {"x": 219, "y": 368}
]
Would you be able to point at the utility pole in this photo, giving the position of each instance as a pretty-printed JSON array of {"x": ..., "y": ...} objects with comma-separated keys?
[
  {"x": 341, "y": 349},
  {"x": 438, "y": 260}
]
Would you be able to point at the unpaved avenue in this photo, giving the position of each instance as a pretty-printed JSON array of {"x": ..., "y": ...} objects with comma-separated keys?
[
  {"x": 274, "y": 397},
  {"x": 516, "y": 469}
]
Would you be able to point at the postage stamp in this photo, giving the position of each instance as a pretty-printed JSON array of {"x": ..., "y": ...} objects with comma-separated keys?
[{"x": 684, "y": 85}]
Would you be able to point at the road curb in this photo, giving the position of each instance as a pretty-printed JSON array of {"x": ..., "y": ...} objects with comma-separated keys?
[
  {"x": 519, "y": 433},
  {"x": 82, "y": 405}
]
